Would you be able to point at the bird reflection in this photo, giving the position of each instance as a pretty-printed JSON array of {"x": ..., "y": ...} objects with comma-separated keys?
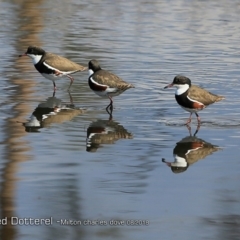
[
  {"x": 51, "y": 111},
  {"x": 188, "y": 151},
  {"x": 104, "y": 132}
]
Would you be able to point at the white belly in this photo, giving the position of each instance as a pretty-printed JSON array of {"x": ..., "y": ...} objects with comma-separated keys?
[
  {"x": 53, "y": 77},
  {"x": 112, "y": 92},
  {"x": 191, "y": 110}
]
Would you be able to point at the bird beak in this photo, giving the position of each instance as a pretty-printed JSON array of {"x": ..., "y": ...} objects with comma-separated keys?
[
  {"x": 167, "y": 163},
  {"x": 169, "y": 85},
  {"x": 21, "y": 55}
]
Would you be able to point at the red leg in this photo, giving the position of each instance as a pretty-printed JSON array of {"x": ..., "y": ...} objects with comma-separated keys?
[
  {"x": 71, "y": 79},
  {"x": 189, "y": 119},
  {"x": 189, "y": 129}
]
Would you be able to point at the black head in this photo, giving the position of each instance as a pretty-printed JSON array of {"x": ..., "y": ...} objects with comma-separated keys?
[
  {"x": 33, "y": 50},
  {"x": 179, "y": 169},
  {"x": 181, "y": 80},
  {"x": 94, "y": 65}
]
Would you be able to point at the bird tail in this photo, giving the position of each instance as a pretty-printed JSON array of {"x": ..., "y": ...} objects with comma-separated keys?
[
  {"x": 219, "y": 98},
  {"x": 83, "y": 69},
  {"x": 125, "y": 86},
  {"x": 131, "y": 86}
]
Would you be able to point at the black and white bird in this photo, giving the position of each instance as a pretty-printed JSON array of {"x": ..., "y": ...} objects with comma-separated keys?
[
  {"x": 105, "y": 84},
  {"x": 52, "y": 66},
  {"x": 191, "y": 97},
  {"x": 188, "y": 151}
]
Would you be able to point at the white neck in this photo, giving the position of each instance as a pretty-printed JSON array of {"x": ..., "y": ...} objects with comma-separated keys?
[
  {"x": 35, "y": 58},
  {"x": 90, "y": 72},
  {"x": 33, "y": 122},
  {"x": 181, "y": 88},
  {"x": 179, "y": 161}
]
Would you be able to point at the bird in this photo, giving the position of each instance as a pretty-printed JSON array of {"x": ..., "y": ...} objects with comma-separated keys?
[
  {"x": 104, "y": 132},
  {"x": 188, "y": 151},
  {"x": 191, "y": 97},
  {"x": 104, "y": 83},
  {"x": 52, "y": 66}
]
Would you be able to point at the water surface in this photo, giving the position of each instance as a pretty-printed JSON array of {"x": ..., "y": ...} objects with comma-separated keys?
[{"x": 78, "y": 165}]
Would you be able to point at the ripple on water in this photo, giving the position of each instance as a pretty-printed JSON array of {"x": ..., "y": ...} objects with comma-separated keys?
[{"x": 217, "y": 123}]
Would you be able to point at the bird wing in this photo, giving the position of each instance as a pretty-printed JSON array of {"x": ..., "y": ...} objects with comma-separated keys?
[
  {"x": 107, "y": 78},
  {"x": 62, "y": 64},
  {"x": 201, "y": 153},
  {"x": 203, "y": 96}
]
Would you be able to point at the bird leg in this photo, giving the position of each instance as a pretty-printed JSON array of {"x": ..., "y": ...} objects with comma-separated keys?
[
  {"x": 71, "y": 79},
  {"x": 110, "y": 114},
  {"x": 71, "y": 99},
  {"x": 110, "y": 106},
  {"x": 189, "y": 129},
  {"x": 198, "y": 128},
  {"x": 54, "y": 86},
  {"x": 189, "y": 119},
  {"x": 198, "y": 118}
]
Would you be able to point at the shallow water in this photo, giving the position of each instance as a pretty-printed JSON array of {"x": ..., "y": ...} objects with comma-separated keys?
[{"x": 80, "y": 166}]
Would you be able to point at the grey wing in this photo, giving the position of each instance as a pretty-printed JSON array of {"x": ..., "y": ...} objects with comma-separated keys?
[
  {"x": 202, "y": 95},
  {"x": 110, "y": 79},
  {"x": 201, "y": 153},
  {"x": 63, "y": 64}
]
